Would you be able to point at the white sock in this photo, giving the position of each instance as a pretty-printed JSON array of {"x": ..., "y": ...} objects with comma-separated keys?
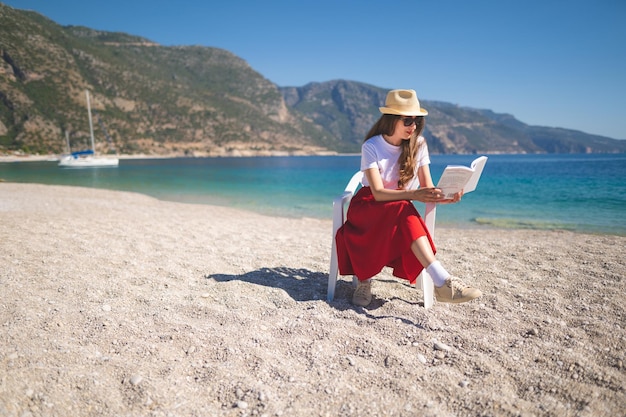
[{"x": 438, "y": 273}]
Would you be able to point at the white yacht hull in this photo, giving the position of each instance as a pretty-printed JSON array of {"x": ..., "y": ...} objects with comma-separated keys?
[{"x": 88, "y": 162}]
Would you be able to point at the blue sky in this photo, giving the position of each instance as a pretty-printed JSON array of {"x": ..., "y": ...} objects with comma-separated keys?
[{"x": 558, "y": 63}]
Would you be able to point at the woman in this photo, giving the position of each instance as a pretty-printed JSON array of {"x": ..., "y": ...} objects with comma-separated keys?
[{"x": 383, "y": 227}]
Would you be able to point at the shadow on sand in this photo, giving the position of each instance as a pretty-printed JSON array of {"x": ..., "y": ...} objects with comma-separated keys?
[
  {"x": 300, "y": 284},
  {"x": 305, "y": 285}
]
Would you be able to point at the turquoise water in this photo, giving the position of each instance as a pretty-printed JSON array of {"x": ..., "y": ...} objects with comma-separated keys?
[{"x": 572, "y": 192}]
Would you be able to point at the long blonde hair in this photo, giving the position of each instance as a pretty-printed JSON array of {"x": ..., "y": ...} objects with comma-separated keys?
[{"x": 386, "y": 125}]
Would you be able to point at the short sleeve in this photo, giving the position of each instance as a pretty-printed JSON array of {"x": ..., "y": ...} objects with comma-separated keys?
[{"x": 369, "y": 159}]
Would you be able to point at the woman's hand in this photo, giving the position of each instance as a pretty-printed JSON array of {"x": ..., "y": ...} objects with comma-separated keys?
[
  {"x": 429, "y": 195},
  {"x": 457, "y": 197},
  {"x": 435, "y": 195}
]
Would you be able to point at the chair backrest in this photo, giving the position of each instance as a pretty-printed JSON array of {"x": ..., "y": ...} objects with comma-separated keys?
[
  {"x": 354, "y": 182},
  {"x": 341, "y": 202}
]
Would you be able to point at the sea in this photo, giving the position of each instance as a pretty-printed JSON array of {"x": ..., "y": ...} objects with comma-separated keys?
[{"x": 581, "y": 193}]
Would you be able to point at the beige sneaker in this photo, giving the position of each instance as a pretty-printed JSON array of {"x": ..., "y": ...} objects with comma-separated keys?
[
  {"x": 363, "y": 294},
  {"x": 456, "y": 291}
]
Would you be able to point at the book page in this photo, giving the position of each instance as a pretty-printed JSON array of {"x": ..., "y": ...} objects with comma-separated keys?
[
  {"x": 453, "y": 180},
  {"x": 456, "y": 178}
]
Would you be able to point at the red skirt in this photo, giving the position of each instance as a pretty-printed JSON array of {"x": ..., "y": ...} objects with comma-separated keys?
[{"x": 378, "y": 234}]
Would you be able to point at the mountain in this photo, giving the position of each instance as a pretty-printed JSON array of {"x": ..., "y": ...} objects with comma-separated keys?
[
  {"x": 348, "y": 109},
  {"x": 192, "y": 100},
  {"x": 152, "y": 99}
]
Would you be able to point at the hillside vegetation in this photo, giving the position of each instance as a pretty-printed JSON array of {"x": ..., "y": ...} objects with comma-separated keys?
[
  {"x": 192, "y": 100},
  {"x": 151, "y": 98}
]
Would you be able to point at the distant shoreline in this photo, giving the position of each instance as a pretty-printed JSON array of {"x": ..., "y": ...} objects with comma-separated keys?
[
  {"x": 51, "y": 158},
  {"x": 238, "y": 154}
]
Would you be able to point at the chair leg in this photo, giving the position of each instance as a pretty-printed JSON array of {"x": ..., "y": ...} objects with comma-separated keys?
[
  {"x": 332, "y": 274},
  {"x": 332, "y": 283},
  {"x": 428, "y": 288},
  {"x": 332, "y": 278}
]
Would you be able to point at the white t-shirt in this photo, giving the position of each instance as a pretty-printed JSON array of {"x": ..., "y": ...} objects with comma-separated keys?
[{"x": 377, "y": 153}]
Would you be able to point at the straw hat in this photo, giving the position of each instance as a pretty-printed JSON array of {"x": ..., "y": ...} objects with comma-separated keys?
[{"x": 404, "y": 103}]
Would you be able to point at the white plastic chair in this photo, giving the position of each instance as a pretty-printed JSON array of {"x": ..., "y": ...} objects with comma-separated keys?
[{"x": 340, "y": 205}]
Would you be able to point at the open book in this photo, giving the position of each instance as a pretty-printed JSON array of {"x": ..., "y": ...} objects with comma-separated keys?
[{"x": 457, "y": 177}]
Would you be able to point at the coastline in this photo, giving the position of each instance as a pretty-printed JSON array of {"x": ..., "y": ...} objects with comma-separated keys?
[
  {"x": 44, "y": 158},
  {"x": 237, "y": 153},
  {"x": 118, "y": 303}
]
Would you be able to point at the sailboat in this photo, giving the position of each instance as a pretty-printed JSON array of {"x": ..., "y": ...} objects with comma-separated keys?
[{"x": 87, "y": 158}]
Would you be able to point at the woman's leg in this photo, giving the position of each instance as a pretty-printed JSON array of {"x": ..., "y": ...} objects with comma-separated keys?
[
  {"x": 423, "y": 251},
  {"x": 447, "y": 288}
]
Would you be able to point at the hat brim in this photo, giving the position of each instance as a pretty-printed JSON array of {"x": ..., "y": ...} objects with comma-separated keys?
[{"x": 389, "y": 110}]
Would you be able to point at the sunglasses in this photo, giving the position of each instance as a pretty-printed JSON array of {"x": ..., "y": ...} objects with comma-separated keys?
[{"x": 408, "y": 121}]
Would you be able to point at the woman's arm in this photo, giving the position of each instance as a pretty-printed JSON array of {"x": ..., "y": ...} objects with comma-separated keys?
[
  {"x": 424, "y": 194},
  {"x": 423, "y": 173}
]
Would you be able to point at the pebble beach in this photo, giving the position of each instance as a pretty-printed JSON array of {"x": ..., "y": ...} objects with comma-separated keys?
[{"x": 116, "y": 303}]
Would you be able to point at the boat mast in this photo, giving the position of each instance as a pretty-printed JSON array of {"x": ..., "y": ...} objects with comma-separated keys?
[
  {"x": 93, "y": 146},
  {"x": 67, "y": 142}
]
